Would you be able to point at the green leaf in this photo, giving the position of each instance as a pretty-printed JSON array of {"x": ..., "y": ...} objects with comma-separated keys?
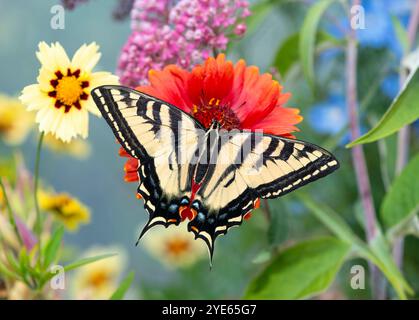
[
  {"x": 123, "y": 287},
  {"x": 52, "y": 247},
  {"x": 8, "y": 273},
  {"x": 85, "y": 261},
  {"x": 385, "y": 262},
  {"x": 262, "y": 257},
  {"x": 278, "y": 226},
  {"x": 378, "y": 253},
  {"x": 288, "y": 52},
  {"x": 401, "y": 33},
  {"x": 330, "y": 219},
  {"x": 401, "y": 203},
  {"x": 300, "y": 271},
  {"x": 24, "y": 262},
  {"x": 78, "y": 264},
  {"x": 308, "y": 37},
  {"x": 13, "y": 261},
  {"x": 403, "y": 111}
]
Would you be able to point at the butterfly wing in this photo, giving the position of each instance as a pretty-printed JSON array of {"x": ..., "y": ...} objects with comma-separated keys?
[
  {"x": 163, "y": 138},
  {"x": 252, "y": 166},
  {"x": 166, "y": 142}
]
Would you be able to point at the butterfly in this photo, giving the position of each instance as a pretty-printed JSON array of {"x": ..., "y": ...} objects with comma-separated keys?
[{"x": 211, "y": 176}]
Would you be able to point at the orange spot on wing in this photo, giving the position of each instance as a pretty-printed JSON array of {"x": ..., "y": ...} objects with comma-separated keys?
[
  {"x": 247, "y": 216},
  {"x": 186, "y": 213}
]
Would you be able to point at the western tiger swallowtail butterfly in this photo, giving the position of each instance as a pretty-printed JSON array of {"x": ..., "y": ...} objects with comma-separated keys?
[{"x": 212, "y": 176}]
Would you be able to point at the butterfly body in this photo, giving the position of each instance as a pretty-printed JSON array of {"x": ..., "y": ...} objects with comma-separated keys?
[{"x": 210, "y": 176}]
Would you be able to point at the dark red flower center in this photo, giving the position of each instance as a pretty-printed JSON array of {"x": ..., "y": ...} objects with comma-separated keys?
[
  {"x": 214, "y": 110},
  {"x": 68, "y": 90}
]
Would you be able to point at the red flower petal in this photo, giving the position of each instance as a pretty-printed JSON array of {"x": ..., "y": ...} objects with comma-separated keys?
[
  {"x": 280, "y": 121},
  {"x": 123, "y": 153},
  {"x": 130, "y": 169},
  {"x": 131, "y": 165},
  {"x": 131, "y": 177},
  {"x": 236, "y": 96},
  {"x": 213, "y": 80},
  {"x": 169, "y": 85}
]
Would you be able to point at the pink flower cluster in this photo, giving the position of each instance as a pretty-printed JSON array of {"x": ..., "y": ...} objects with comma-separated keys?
[{"x": 183, "y": 32}]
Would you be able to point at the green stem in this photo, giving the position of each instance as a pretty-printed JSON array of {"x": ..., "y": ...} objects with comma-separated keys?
[
  {"x": 358, "y": 156},
  {"x": 38, "y": 223},
  {"x": 403, "y": 137},
  {"x": 10, "y": 211}
]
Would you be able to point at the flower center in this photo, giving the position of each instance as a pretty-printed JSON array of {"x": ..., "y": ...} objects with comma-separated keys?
[
  {"x": 225, "y": 116},
  {"x": 5, "y": 125},
  {"x": 98, "y": 279},
  {"x": 69, "y": 90},
  {"x": 176, "y": 247}
]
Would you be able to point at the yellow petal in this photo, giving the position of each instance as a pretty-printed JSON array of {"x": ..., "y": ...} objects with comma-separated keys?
[
  {"x": 44, "y": 80},
  {"x": 53, "y": 57},
  {"x": 34, "y": 98},
  {"x": 99, "y": 79},
  {"x": 86, "y": 57}
]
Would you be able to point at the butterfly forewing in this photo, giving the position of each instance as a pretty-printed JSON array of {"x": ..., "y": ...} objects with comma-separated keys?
[{"x": 164, "y": 140}]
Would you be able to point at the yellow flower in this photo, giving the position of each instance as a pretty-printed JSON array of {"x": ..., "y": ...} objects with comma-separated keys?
[
  {"x": 99, "y": 279},
  {"x": 15, "y": 120},
  {"x": 2, "y": 202},
  {"x": 77, "y": 148},
  {"x": 62, "y": 95},
  {"x": 175, "y": 247},
  {"x": 65, "y": 208}
]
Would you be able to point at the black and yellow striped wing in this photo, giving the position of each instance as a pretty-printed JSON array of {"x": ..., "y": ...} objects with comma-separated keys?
[
  {"x": 243, "y": 167},
  {"x": 163, "y": 138},
  {"x": 251, "y": 166}
]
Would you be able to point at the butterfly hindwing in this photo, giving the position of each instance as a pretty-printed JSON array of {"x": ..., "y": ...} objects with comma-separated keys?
[
  {"x": 162, "y": 138},
  {"x": 251, "y": 166}
]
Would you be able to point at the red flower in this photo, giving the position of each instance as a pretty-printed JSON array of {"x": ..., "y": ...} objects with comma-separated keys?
[{"x": 237, "y": 96}]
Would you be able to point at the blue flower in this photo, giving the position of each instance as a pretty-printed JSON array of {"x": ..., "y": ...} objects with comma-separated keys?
[
  {"x": 329, "y": 116},
  {"x": 390, "y": 85},
  {"x": 377, "y": 24},
  {"x": 379, "y": 31}
]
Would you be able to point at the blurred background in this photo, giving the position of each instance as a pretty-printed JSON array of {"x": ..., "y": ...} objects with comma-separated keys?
[{"x": 94, "y": 173}]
